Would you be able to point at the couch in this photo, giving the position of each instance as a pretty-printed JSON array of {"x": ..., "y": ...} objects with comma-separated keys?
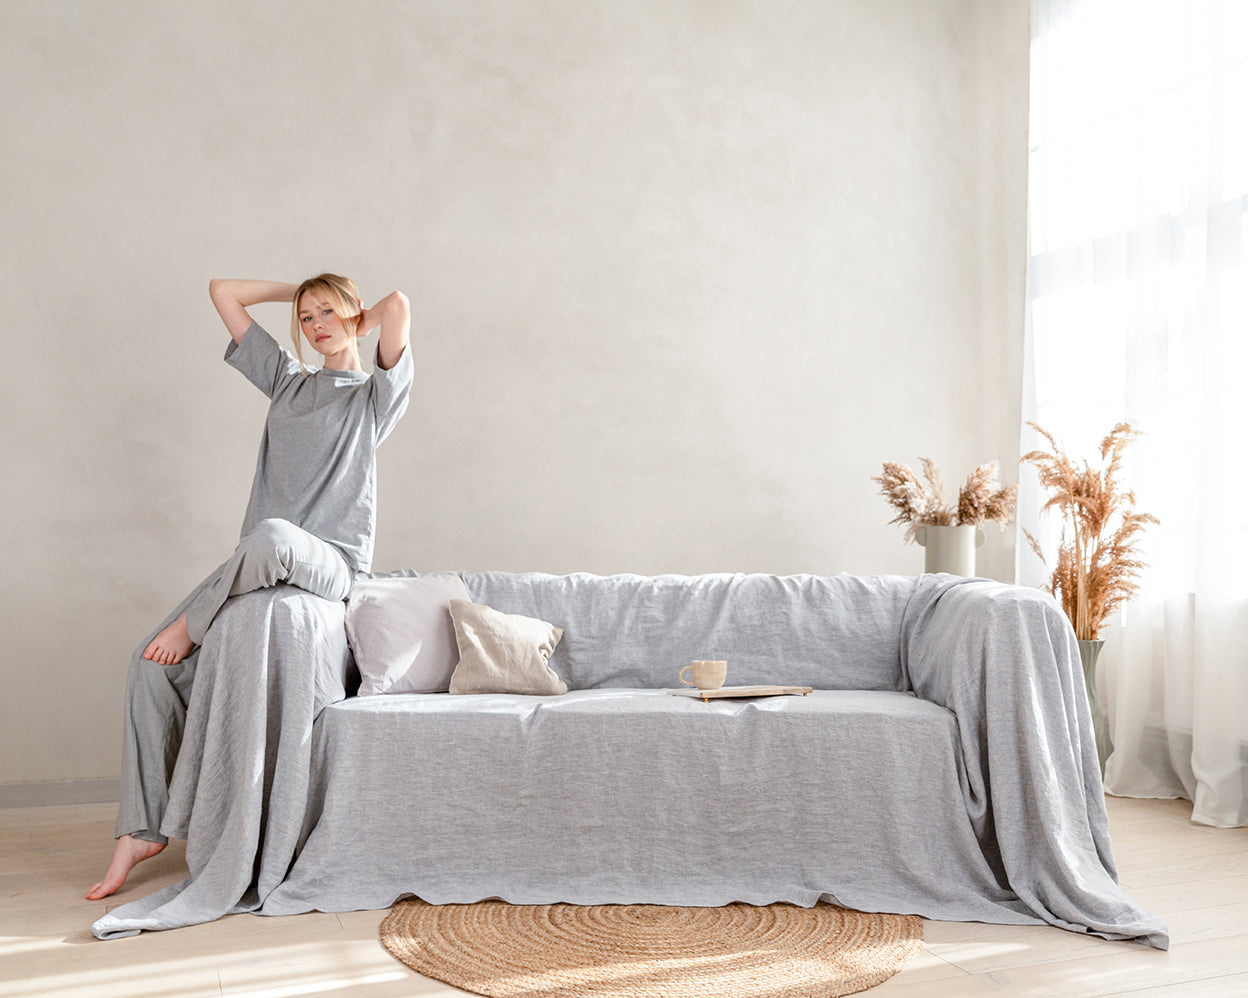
[{"x": 944, "y": 764}]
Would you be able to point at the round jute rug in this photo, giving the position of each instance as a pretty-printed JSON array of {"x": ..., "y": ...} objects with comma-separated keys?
[{"x": 648, "y": 951}]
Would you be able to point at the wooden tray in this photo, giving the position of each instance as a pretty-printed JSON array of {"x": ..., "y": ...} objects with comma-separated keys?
[{"x": 726, "y": 692}]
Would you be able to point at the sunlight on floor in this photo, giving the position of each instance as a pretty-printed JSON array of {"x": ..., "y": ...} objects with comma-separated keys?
[
  {"x": 264, "y": 972},
  {"x": 320, "y": 987}
]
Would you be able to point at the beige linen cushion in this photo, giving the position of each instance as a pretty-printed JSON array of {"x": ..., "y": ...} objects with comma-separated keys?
[
  {"x": 401, "y": 634},
  {"x": 503, "y": 652}
]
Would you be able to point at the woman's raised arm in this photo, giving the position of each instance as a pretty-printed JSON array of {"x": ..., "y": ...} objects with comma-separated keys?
[
  {"x": 394, "y": 314},
  {"x": 232, "y": 297}
]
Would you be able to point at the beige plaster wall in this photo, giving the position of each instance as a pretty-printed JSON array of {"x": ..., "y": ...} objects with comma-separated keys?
[{"x": 684, "y": 273}]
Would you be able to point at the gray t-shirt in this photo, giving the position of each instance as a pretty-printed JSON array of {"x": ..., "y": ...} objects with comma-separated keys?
[{"x": 317, "y": 465}]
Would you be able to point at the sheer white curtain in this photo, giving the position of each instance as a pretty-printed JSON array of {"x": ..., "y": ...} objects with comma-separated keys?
[{"x": 1138, "y": 310}]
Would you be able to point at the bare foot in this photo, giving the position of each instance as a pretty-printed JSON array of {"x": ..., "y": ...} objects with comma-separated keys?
[
  {"x": 171, "y": 645},
  {"x": 128, "y": 854}
]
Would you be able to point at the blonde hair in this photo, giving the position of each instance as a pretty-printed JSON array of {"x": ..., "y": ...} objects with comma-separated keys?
[{"x": 343, "y": 296}]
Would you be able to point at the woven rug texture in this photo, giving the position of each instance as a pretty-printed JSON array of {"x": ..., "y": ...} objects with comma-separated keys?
[{"x": 650, "y": 951}]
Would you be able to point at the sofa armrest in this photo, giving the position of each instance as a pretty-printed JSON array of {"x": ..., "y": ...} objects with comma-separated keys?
[
  {"x": 957, "y": 634},
  {"x": 1005, "y": 660}
]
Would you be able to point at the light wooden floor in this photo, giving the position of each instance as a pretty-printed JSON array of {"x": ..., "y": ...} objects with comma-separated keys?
[{"x": 1195, "y": 877}]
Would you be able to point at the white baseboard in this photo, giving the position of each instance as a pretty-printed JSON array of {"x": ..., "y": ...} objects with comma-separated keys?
[{"x": 59, "y": 792}]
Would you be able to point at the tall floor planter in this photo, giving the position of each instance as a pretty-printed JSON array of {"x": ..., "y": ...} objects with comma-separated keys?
[{"x": 1089, "y": 652}]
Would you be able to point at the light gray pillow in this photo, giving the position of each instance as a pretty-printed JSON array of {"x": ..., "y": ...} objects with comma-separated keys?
[
  {"x": 401, "y": 634},
  {"x": 503, "y": 652}
]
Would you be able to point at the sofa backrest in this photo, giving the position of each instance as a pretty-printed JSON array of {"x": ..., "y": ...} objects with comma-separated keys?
[{"x": 833, "y": 632}]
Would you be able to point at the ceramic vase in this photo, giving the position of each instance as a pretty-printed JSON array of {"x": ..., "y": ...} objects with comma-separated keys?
[
  {"x": 1089, "y": 652},
  {"x": 950, "y": 549}
]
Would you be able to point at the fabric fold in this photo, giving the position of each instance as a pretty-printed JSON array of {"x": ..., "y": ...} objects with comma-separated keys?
[
  {"x": 271, "y": 661},
  {"x": 1004, "y": 660}
]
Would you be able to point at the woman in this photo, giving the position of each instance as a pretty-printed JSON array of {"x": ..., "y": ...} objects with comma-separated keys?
[{"x": 309, "y": 522}]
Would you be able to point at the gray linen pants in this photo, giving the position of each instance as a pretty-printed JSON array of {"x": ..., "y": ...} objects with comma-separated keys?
[{"x": 276, "y": 551}]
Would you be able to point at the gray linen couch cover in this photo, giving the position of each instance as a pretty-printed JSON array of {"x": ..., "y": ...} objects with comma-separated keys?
[{"x": 944, "y": 766}]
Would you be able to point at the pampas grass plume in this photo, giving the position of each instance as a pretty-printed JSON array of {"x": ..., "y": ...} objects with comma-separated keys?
[
  {"x": 981, "y": 499},
  {"x": 1097, "y": 565}
]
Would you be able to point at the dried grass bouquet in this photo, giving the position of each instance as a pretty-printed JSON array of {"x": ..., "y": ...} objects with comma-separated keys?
[
  {"x": 981, "y": 499},
  {"x": 1096, "y": 560}
]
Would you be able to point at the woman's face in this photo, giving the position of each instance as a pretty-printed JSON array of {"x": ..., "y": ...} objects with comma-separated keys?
[{"x": 321, "y": 325}]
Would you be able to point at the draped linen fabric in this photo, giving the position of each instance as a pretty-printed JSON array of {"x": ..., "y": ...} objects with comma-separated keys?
[
  {"x": 962, "y": 784},
  {"x": 1138, "y": 310}
]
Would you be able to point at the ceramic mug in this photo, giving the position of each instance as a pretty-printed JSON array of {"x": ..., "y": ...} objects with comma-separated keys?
[{"x": 706, "y": 674}]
